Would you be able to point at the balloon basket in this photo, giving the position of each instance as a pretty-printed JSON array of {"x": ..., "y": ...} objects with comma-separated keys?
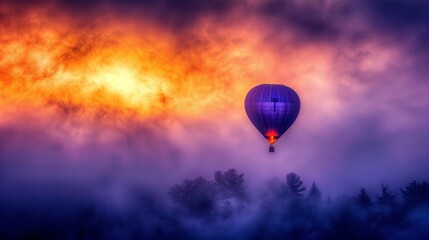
[{"x": 271, "y": 149}]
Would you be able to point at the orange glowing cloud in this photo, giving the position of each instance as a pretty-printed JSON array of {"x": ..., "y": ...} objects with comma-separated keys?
[
  {"x": 132, "y": 67},
  {"x": 120, "y": 65}
]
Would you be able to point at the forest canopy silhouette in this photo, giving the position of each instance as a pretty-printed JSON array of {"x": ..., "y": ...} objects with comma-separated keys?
[{"x": 225, "y": 207}]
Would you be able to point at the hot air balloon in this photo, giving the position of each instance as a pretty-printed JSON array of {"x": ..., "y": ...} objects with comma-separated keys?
[{"x": 272, "y": 108}]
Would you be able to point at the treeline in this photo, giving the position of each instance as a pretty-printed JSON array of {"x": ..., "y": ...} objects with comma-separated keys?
[
  {"x": 287, "y": 209},
  {"x": 200, "y": 196},
  {"x": 224, "y": 207}
]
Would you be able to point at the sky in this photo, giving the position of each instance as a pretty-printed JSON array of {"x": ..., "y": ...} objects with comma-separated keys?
[{"x": 121, "y": 93}]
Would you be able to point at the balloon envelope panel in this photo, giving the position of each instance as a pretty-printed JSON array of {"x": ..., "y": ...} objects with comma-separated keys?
[{"x": 272, "y": 108}]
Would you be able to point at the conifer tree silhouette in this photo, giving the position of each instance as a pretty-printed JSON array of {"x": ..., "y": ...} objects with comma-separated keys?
[
  {"x": 196, "y": 196},
  {"x": 230, "y": 183},
  {"x": 386, "y": 198},
  {"x": 416, "y": 193},
  {"x": 363, "y": 198},
  {"x": 314, "y": 195},
  {"x": 294, "y": 186}
]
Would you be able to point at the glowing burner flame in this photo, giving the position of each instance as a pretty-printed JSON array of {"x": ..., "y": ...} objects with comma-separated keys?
[{"x": 272, "y": 136}]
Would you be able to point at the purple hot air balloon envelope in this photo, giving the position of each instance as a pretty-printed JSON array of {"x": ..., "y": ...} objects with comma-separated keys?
[{"x": 272, "y": 108}]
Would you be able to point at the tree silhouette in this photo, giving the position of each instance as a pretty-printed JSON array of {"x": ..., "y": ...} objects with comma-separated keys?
[
  {"x": 416, "y": 193},
  {"x": 294, "y": 186},
  {"x": 196, "y": 196},
  {"x": 230, "y": 183},
  {"x": 387, "y": 198},
  {"x": 314, "y": 195},
  {"x": 363, "y": 198},
  {"x": 199, "y": 212},
  {"x": 281, "y": 212}
]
